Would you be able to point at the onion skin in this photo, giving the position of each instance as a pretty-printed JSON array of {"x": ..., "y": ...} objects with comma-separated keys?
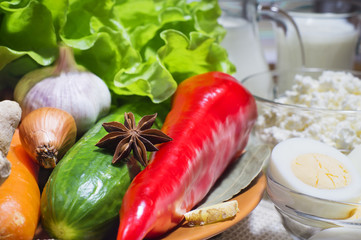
[{"x": 47, "y": 134}]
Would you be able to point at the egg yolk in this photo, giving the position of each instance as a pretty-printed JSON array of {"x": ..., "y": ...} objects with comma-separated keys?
[{"x": 320, "y": 171}]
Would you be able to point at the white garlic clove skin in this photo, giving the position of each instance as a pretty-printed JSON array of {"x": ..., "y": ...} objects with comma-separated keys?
[{"x": 82, "y": 94}]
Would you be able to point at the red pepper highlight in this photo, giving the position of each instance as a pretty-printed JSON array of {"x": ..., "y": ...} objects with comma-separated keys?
[{"x": 210, "y": 121}]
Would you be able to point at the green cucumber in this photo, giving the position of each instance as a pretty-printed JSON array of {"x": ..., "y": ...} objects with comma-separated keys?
[{"x": 82, "y": 197}]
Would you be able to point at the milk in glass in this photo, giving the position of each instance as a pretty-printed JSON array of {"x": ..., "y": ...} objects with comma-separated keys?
[{"x": 328, "y": 43}]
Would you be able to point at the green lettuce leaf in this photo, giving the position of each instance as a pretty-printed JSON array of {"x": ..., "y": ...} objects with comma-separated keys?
[
  {"x": 185, "y": 57},
  {"x": 28, "y": 30},
  {"x": 149, "y": 79},
  {"x": 138, "y": 47},
  {"x": 8, "y": 55}
]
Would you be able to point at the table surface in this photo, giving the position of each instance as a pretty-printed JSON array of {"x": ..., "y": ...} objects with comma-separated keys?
[{"x": 263, "y": 223}]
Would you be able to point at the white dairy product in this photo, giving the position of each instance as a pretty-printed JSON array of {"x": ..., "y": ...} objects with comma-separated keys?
[
  {"x": 329, "y": 42},
  {"x": 243, "y": 46},
  {"x": 332, "y": 90}
]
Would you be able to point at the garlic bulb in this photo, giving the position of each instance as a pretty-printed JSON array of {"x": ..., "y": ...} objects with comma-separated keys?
[
  {"x": 47, "y": 134},
  {"x": 68, "y": 87}
]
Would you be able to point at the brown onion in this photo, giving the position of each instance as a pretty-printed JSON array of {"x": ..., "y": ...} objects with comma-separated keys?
[{"x": 47, "y": 134}]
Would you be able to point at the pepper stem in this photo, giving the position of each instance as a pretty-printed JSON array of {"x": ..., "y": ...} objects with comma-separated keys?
[{"x": 66, "y": 61}]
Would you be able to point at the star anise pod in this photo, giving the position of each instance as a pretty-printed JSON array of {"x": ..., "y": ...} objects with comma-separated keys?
[{"x": 129, "y": 136}]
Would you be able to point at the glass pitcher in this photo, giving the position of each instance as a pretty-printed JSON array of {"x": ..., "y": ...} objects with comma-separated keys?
[
  {"x": 242, "y": 41},
  {"x": 330, "y": 32}
]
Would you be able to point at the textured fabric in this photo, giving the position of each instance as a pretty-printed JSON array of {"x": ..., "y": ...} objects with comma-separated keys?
[{"x": 263, "y": 223}]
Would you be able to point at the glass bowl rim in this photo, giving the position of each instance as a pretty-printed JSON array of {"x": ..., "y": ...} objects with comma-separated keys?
[
  {"x": 287, "y": 189},
  {"x": 295, "y": 214},
  {"x": 300, "y": 71}
]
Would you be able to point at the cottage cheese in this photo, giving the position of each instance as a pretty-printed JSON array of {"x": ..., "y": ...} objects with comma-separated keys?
[{"x": 332, "y": 90}]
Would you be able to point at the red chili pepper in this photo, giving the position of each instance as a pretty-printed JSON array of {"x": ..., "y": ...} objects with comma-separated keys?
[{"x": 210, "y": 121}]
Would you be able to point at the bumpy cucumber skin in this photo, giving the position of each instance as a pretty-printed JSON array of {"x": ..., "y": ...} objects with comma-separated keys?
[{"x": 82, "y": 197}]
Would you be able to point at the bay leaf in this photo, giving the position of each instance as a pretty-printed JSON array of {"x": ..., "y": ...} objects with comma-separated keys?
[{"x": 238, "y": 175}]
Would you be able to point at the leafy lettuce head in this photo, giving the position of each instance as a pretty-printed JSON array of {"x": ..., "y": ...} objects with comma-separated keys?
[{"x": 138, "y": 47}]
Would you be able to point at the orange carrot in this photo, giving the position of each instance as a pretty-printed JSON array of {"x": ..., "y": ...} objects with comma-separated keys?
[{"x": 19, "y": 195}]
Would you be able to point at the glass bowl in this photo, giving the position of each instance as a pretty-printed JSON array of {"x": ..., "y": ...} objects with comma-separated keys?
[
  {"x": 308, "y": 217},
  {"x": 310, "y": 115},
  {"x": 338, "y": 126}
]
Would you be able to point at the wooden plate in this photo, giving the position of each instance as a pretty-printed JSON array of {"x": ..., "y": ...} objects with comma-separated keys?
[{"x": 248, "y": 199}]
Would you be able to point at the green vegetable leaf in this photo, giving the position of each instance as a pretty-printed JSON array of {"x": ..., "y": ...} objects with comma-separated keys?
[
  {"x": 8, "y": 55},
  {"x": 16, "y": 69},
  {"x": 185, "y": 58},
  {"x": 107, "y": 55},
  {"x": 148, "y": 79},
  {"x": 58, "y": 11},
  {"x": 13, "y": 4},
  {"x": 238, "y": 175},
  {"x": 138, "y": 47},
  {"x": 29, "y": 30},
  {"x": 206, "y": 16}
]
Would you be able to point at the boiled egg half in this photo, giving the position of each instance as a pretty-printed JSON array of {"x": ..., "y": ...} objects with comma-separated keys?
[{"x": 320, "y": 177}]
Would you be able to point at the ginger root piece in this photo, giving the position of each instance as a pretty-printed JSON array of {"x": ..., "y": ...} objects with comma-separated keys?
[
  {"x": 10, "y": 115},
  {"x": 212, "y": 214},
  {"x": 5, "y": 168}
]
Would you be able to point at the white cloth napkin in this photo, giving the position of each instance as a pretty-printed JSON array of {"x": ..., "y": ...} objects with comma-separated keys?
[{"x": 263, "y": 223}]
